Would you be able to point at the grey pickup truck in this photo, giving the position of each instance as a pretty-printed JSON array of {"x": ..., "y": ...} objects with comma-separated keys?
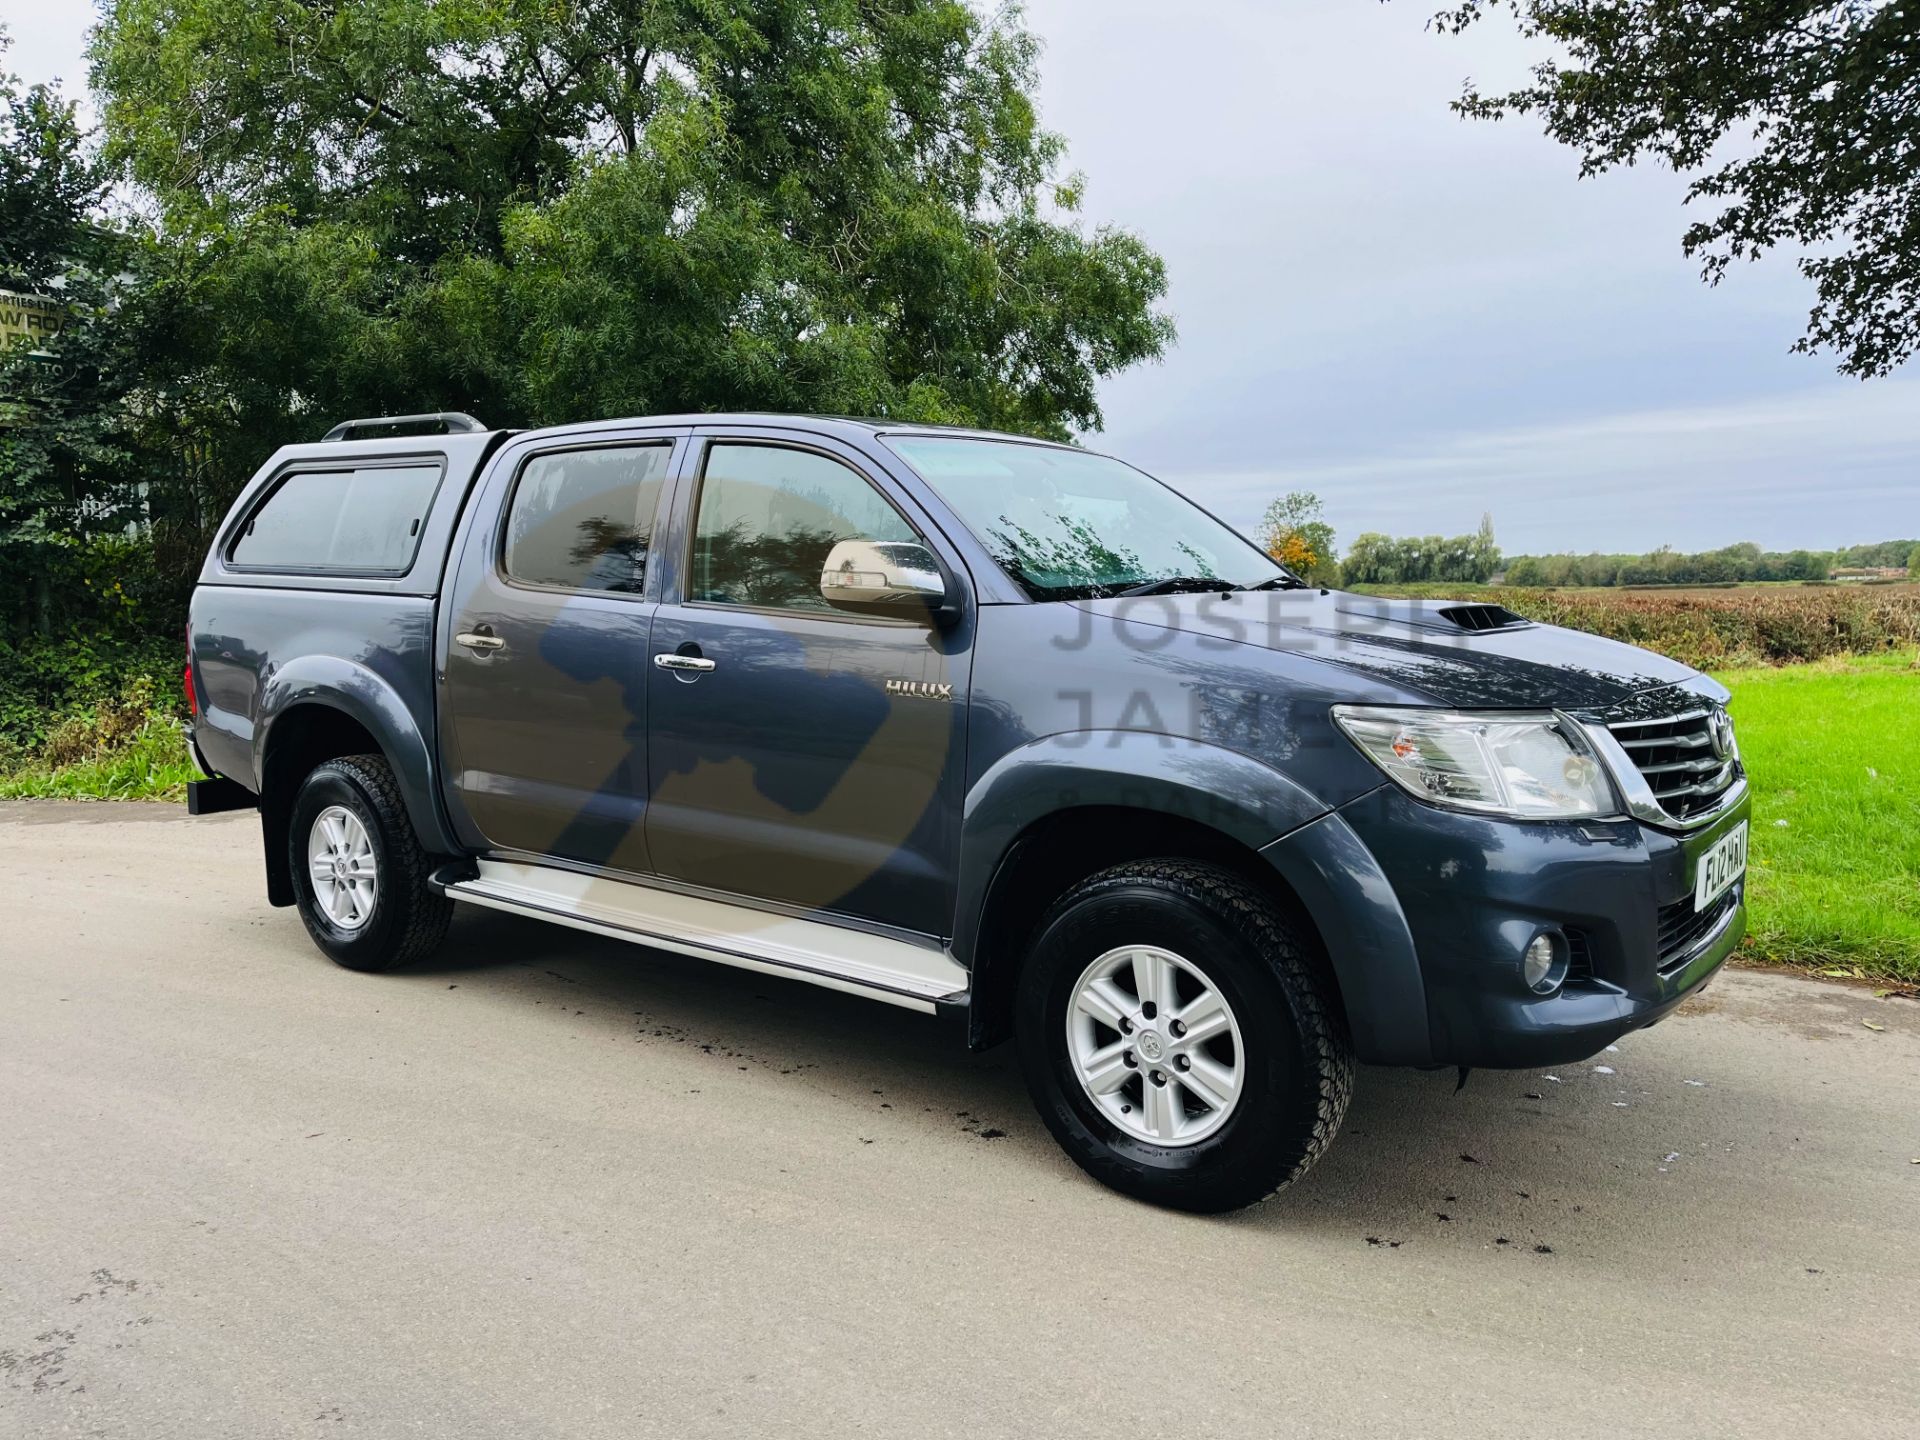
[{"x": 1001, "y": 731}]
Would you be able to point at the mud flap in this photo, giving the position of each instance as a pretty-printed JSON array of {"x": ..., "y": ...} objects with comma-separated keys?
[{"x": 215, "y": 797}]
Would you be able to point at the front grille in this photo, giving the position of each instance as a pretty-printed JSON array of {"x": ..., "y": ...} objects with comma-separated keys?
[
  {"x": 1676, "y": 757},
  {"x": 1682, "y": 928}
]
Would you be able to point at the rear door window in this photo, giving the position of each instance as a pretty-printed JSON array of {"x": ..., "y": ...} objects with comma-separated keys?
[
  {"x": 583, "y": 519},
  {"x": 365, "y": 520}
]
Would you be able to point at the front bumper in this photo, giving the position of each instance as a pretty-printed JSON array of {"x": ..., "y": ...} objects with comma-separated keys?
[{"x": 1475, "y": 890}]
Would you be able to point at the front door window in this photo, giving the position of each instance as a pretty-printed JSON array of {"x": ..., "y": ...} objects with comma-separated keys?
[{"x": 768, "y": 517}]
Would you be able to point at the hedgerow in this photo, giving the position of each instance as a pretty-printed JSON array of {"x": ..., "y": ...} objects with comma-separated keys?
[{"x": 1724, "y": 629}]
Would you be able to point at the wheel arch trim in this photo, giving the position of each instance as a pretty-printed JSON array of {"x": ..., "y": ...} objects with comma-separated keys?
[
  {"x": 1233, "y": 798},
  {"x": 356, "y": 691},
  {"x": 1368, "y": 940},
  {"x": 1242, "y": 798}
]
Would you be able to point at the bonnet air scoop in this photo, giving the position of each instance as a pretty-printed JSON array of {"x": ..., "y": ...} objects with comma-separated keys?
[
  {"x": 1447, "y": 617},
  {"x": 1478, "y": 616}
]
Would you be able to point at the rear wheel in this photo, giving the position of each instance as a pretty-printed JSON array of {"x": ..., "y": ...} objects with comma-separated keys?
[
  {"x": 359, "y": 873},
  {"x": 1180, "y": 1038}
]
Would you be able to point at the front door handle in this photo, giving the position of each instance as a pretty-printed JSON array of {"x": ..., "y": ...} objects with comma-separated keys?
[
  {"x": 481, "y": 639},
  {"x": 682, "y": 662}
]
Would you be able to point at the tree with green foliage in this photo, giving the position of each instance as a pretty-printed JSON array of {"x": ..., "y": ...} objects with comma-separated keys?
[
  {"x": 1526, "y": 570},
  {"x": 49, "y": 251},
  {"x": 1796, "y": 122},
  {"x": 1875, "y": 553},
  {"x": 85, "y": 614},
  {"x": 49, "y": 184},
  {"x": 66, "y": 457},
  {"x": 545, "y": 212},
  {"x": 1731, "y": 564},
  {"x": 1294, "y": 531},
  {"x": 1483, "y": 551},
  {"x": 1797, "y": 565},
  {"x": 1376, "y": 559}
]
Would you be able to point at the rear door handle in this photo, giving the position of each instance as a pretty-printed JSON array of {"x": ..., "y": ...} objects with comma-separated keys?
[
  {"x": 480, "y": 640},
  {"x": 682, "y": 662}
]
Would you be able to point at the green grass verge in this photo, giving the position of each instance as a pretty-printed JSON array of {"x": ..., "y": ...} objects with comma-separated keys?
[
  {"x": 151, "y": 764},
  {"x": 1833, "y": 749}
]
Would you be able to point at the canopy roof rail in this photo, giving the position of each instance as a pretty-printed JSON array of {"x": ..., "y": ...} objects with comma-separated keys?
[{"x": 442, "y": 422}]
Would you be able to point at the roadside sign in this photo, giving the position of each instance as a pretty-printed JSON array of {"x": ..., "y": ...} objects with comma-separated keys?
[{"x": 28, "y": 320}]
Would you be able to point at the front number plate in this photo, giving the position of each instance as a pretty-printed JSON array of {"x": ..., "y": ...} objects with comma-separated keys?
[{"x": 1724, "y": 862}]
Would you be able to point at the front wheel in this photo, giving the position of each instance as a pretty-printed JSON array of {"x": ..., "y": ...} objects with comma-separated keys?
[
  {"x": 359, "y": 873},
  {"x": 1180, "y": 1037}
]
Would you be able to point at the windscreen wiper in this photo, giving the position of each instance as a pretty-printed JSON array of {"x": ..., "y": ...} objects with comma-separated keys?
[
  {"x": 1280, "y": 582},
  {"x": 1176, "y": 584}
]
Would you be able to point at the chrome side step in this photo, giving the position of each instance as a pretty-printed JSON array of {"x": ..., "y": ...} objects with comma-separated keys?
[{"x": 855, "y": 961}]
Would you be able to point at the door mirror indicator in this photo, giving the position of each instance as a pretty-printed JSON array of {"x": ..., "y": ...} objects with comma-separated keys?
[{"x": 883, "y": 577}]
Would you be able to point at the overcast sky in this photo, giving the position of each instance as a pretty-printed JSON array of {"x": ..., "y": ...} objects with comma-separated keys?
[{"x": 1415, "y": 317}]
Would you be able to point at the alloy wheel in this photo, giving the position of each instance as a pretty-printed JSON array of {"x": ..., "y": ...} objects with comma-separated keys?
[
  {"x": 1155, "y": 1045},
  {"x": 346, "y": 878}
]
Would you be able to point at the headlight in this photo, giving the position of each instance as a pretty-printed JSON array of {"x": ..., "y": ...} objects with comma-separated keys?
[{"x": 1535, "y": 765}]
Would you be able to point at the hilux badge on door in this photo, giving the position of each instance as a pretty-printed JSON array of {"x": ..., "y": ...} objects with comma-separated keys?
[{"x": 920, "y": 689}]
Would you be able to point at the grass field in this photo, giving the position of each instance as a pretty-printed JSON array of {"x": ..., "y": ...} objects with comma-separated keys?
[{"x": 1834, "y": 752}]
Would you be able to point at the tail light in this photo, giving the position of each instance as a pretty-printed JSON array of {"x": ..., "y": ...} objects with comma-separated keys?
[{"x": 186, "y": 678}]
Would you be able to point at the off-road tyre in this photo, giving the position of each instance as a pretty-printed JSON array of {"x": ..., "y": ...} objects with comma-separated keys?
[
  {"x": 409, "y": 918},
  {"x": 1297, "y": 1050}
]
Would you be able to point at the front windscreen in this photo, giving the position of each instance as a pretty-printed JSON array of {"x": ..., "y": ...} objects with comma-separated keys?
[{"x": 1069, "y": 525}]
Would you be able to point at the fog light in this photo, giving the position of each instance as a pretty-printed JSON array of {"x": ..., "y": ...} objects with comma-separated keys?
[{"x": 1544, "y": 965}]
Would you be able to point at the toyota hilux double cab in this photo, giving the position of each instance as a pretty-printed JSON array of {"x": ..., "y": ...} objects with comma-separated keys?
[{"x": 993, "y": 729}]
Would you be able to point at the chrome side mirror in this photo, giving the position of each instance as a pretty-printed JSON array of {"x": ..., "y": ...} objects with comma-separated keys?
[{"x": 883, "y": 577}]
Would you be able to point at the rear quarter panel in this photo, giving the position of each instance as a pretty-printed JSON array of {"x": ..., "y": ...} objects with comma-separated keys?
[
  {"x": 260, "y": 652},
  {"x": 261, "y": 643}
]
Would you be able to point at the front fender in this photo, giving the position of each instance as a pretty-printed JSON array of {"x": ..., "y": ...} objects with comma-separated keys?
[
  {"x": 363, "y": 695},
  {"x": 1223, "y": 789}
]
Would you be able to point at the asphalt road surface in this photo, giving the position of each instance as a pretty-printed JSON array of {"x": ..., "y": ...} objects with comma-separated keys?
[{"x": 557, "y": 1186}]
